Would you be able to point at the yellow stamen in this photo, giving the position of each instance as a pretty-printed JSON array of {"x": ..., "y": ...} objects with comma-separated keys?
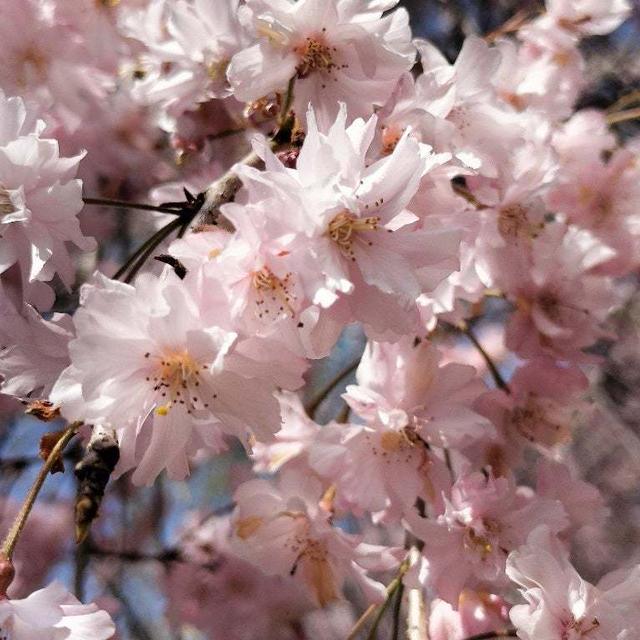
[
  {"x": 343, "y": 229},
  {"x": 246, "y": 527}
]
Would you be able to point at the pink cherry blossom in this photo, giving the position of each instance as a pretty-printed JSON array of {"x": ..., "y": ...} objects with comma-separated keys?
[
  {"x": 484, "y": 519},
  {"x": 341, "y": 51},
  {"x": 33, "y": 351},
  {"x": 603, "y": 197},
  {"x": 284, "y": 532},
  {"x": 581, "y": 500},
  {"x": 403, "y": 384},
  {"x": 563, "y": 606},
  {"x": 190, "y": 44},
  {"x": 477, "y": 612},
  {"x": 589, "y": 17},
  {"x": 224, "y": 596},
  {"x": 39, "y": 201},
  {"x": 540, "y": 409},
  {"x": 354, "y": 241},
  {"x": 53, "y": 62},
  {"x": 291, "y": 444},
  {"x": 381, "y": 467},
  {"x": 560, "y": 305},
  {"x": 52, "y": 613},
  {"x": 187, "y": 381}
]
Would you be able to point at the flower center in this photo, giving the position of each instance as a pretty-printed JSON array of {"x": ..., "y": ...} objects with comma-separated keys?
[
  {"x": 246, "y": 527},
  {"x": 216, "y": 69},
  {"x": 343, "y": 230},
  {"x": 314, "y": 54},
  {"x": 6, "y": 206},
  {"x": 312, "y": 558},
  {"x": 391, "y": 135},
  {"x": 549, "y": 304},
  {"x": 177, "y": 379},
  {"x": 317, "y": 571},
  {"x": 274, "y": 294},
  {"x": 514, "y": 223},
  {"x": 574, "y": 629},
  {"x": 537, "y": 421},
  {"x": 477, "y": 543}
]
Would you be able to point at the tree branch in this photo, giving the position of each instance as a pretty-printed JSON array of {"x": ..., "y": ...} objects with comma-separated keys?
[
  {"x": 221, "y": 191},
  {"x": 490, "y": 635},
  {"x": 10, "y": 541}
]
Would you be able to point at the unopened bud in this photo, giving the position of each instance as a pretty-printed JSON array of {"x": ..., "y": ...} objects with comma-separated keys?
[
  {"x": 7, "y": 572},
  {"x": 93, "y": 473}
]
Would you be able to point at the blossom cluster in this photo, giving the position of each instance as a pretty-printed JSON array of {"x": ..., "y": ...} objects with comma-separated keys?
[{"x": 385, "y": 187}]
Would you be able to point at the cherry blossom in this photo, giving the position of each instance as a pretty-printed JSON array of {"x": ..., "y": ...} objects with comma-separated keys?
[
  {"x": 560, "y": 305},
  {"x": 221, "y": 594},
  {"x": 52, "y": 613},
  {"x": 39, "y": 201},
  {"x": 354, "y": 235},
  {"x": 336, "y": 52},
  {"x": 588, "y": 17},
  {"x": 289, "y": 194},
  {"x": 562, "y": 605},
  {"x": 33, "y": 351},
  {"x": 477, "y": 613},
  {"x": 190, "y": 44},
  {"x": 402, "y": 384},
  {"x": 284, "y": 532},
  {"x": 186, "y": 379},
  {"x": 541, "y": 408},
  {"x": 290, "y": 445},
  {"x": 484, "y": 519}
]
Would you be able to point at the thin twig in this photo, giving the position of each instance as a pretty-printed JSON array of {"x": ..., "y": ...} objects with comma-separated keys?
[
  {"x": 152, "y": 245},
  {"x": 391, "y": 588},
  {"x": 315, "y": 403},
  {"x": 146, "y": 248},
  {"x": 14, "y": 533},
  {"x": 623, "y": 116},
  {"x": 395, "y": 634},
  {"x": 166, "y": 556},
  {"x": 627, "y": 99},
  {"x": 490, "y": 635},
  {"x": 447, "y": 460},
  {"x": 468, "y": 196},
  {"x": 226, "y": 133},
  {"x": 497, "y": 376},
  {"x": 136, "y": 626},
  {"x": 286, "y": 103},
  {"x": 514, "y": 23},
  {"x": 122, "y": 204},
  {"x": 373, "y": 632}
]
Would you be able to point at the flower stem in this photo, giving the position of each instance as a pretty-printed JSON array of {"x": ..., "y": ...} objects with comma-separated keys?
[
  {"x": 395, "y": 634},
  {"x": 150, "y": 246},
  {"x": 333, "y": 383},
  {"x": 395, "y": 586},
  {"x": 288, "y": 100},
  {"x": 624, "y": 101},
  {"x": 497, "y": 376},
  {"x": 140, "y": 255},
  {"x": 490, "y": 635},
  {"x": 14, "y": 533},
  {"x": 121, "y": 204},
  {"x": 622, "y": 116},
  {"x": 391, "y": 589}
]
